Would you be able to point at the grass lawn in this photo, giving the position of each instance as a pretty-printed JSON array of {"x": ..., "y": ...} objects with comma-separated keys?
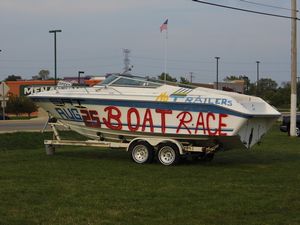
[{"x": 90, "y": 186}]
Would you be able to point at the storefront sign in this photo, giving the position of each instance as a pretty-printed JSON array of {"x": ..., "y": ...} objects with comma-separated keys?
[{"x": 32, "y": 89}]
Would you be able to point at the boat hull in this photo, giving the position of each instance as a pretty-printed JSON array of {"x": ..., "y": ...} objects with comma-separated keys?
[{"x": 123, "y": 120}]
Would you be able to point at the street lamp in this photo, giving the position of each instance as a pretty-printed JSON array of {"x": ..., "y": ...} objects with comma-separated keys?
[
  {"x": 217, "y": 58},
  {"x": 79, "y": 72},
  {"x": 54, "y": 32},
  {"x": 257, "y": 77}
]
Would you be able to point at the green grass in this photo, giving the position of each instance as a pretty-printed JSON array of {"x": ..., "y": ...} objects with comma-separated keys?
[{"x": 90, "y": 186}]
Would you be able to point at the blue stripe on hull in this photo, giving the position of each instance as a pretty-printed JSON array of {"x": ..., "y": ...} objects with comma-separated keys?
[{"x": 180, "y": 106}]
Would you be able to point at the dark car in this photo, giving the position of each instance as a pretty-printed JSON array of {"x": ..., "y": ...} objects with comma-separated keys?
[
  {"x": 1, "y": 117},
  {"x": 285, "y": 125}
]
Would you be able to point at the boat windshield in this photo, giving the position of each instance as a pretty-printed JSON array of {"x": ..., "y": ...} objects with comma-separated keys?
[{"x": 128, "y": 81}]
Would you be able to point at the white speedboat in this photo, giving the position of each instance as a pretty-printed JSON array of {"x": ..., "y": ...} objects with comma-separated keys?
[{"x": 122, "y": 108}]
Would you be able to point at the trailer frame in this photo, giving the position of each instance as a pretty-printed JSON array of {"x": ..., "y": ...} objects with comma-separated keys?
[{"x": 168, "y": 151}]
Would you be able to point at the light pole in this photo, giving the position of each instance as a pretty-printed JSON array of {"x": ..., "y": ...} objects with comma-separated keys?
[
  {"x": 79, "y": 72},
  {"x": 54, "y": 32},
  {"x": 3, "y": 103},
  {"x": 217, "y": 83},
  {"x": 257, "y": 77}
]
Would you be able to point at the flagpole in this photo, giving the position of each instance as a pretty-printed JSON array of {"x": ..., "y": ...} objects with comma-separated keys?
[
  {"x": 163, "y": 27},
  {"x": 166, "y": 55}
]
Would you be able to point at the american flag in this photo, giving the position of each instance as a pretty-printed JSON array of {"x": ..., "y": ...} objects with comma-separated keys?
[{"x": 164, "y": 26}]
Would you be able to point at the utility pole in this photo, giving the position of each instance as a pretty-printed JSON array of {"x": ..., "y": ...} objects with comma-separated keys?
[
  {"x": 293, "y": 68},
  {"x": 217, "y": 78},
  {"x": 191, "y": 77},
  {"x": 3, "y": 108},
  {"x": 257, "y": 78},
  {"x": 127, "y": 66}
]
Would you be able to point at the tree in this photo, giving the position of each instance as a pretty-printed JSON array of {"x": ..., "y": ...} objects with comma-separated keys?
[
  {"x": 28, "y": 106},
  {"x": 43, "y": 75},
  {"x": 251, "y": 89},
  {"x": 168, "y": 77},
  {"x": 14, "y": 105},
  {"x": 267, "y": 84},
  {"x": 231, "y": 78},
  {"x": 13, "y": 78},
  {"x": 18, "y": 105},
  {"x": 183, "y": 80},
  {"x": 283, "y": 95}
]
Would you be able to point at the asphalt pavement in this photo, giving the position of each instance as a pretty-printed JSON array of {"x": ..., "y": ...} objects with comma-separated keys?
[{"x": 34, "y": 125}]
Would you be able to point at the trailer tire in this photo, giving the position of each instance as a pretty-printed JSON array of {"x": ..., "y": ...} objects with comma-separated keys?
[
  {"x": 141, "y": 152},
  {"x": 168, "y": 154}
]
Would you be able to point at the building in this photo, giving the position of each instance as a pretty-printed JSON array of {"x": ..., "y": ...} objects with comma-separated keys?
[
  {"x": 94, "y": 80},
  {"x": 27, "y": 87},
  {"x": 232, "y": 86},
  {"x": 211, "y": 86}
]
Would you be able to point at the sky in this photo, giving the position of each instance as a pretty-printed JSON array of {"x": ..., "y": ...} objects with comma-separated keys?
[{"x": 95, "y": 32}]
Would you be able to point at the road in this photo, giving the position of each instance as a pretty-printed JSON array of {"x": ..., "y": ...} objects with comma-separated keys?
[{"x": 9, "y": 126}]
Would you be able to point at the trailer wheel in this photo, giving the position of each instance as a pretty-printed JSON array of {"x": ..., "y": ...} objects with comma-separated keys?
[
  {"x": 141, "y": 152},
  {"x": 168, "y": 154}
]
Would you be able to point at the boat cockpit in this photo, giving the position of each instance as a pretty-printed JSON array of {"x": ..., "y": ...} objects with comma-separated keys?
[
  {"x": 128, "y": 81},
  {"x": 120, "y": 80}
]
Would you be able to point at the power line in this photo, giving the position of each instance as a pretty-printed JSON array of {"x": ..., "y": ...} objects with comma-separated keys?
[
  {"x": 244, "y": 10},
  {"x": 136, "y": 58},
  {"x": 266, "y": 5}
]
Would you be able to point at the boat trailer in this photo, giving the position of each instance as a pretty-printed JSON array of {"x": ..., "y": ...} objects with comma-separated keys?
[{"x": 142, "y": 149}]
